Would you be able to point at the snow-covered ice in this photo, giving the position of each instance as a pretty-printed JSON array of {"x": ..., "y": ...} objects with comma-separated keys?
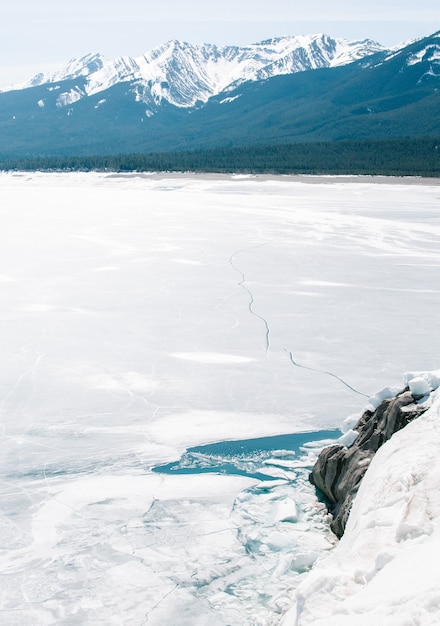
[{"x": 143, "y": 315}]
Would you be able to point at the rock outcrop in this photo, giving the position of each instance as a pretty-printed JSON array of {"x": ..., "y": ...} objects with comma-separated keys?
[{"x": 339, "y": 470}]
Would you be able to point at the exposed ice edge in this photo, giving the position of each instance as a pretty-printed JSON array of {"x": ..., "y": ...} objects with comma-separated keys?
[{"x": 384, "y": 565}]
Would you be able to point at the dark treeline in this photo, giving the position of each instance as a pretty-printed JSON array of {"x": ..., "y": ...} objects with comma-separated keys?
[{"x": 389, "y": 157}]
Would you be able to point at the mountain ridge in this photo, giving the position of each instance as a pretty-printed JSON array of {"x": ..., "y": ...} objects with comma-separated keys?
[
  {"x": 183, "y": 74},
  {"x": 387, "y": 94}
]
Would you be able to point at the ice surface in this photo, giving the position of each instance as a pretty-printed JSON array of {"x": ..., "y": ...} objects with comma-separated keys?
[{"x": 142, "y": 315}]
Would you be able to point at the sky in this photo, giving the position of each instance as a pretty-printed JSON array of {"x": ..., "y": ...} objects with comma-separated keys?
[{"x": 40, "y": 36}]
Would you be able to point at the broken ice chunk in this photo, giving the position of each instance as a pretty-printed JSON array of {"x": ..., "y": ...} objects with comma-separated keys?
[
  {"x": 349, "y": 438},
  {"x": 286, "y": 511}
]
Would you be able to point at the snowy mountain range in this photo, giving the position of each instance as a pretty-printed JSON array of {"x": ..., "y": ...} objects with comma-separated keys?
[
  {"x": 186, "y": 97},
  {"x": 185, "y": 75}
]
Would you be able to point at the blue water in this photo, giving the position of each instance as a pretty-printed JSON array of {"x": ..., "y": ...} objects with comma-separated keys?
[{"x": 245, "y": 457}]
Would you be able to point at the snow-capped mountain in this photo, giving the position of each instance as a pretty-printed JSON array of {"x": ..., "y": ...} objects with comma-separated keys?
[
  {"x": 186, "y": 97},
  {"x": 183, "y": 74}
]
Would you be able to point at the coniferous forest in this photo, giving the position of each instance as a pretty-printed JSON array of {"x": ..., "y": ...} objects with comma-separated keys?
[{"x": 387, "y": 157}]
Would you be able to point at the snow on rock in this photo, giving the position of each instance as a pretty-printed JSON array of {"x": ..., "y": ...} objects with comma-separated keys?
[
  {"x": 340, "y": 468},
  {"x": 419, "y": 387},
  {"x": 432, "y": 378},
  {"x": 384, "y": 569},
  {"x": 380, "y": 396}
]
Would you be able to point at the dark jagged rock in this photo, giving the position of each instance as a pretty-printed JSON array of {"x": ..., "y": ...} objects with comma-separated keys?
[{"x": 338, "y": 471}]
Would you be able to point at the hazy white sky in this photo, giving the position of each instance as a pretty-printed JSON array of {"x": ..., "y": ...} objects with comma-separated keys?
[{"x": 37, "y": 36}]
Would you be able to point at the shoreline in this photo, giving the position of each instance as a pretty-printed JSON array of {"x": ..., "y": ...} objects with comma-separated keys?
[{"x": 302, "y": 178}]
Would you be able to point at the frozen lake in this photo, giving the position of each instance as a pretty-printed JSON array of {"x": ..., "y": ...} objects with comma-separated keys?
[{"x": 144, "y": 315}]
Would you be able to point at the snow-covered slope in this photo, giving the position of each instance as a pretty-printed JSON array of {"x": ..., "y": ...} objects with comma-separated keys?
[
  {"x": 184, "y": 74},
  {"x": 385, "y": 569},
  {"x": 430, "y": 51}
]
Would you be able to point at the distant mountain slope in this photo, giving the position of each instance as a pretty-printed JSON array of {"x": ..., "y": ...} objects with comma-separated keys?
[{"x": 385, "y": 94}]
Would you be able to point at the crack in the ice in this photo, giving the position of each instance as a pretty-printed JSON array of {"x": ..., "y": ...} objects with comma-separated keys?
[
  {"x": 313, "y": 369},
  {"x": 249, "y": 292},
  {"x": 164, "y": 597}
]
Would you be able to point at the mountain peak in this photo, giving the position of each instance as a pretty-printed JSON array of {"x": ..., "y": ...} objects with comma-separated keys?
[{"x": 84, "y": 66}]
